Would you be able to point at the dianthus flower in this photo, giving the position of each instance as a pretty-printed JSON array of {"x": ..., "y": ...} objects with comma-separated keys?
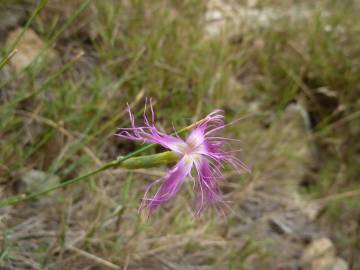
[{"x": 201, "y": 152}]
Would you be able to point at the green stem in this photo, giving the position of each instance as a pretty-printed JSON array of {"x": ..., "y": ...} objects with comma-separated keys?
[
  {"x": 114, "y": 163},
  {"x": 23, "y": 197}
]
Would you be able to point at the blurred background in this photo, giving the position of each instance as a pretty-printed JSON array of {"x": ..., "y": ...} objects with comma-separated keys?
[{"x": 288, "y": 69}]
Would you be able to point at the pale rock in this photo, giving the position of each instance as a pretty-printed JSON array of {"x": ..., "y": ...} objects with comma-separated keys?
[
  {"x": 320, "y": 255},
  {"x": 230, "y": 17},
  {"x": 37, "y": 180},
  {"x": 340, "y": 264},
  {"x": 27, "y": 49}
]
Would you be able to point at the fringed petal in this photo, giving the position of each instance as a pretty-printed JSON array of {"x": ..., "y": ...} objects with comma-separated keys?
[{"x": 169, "y": 188}]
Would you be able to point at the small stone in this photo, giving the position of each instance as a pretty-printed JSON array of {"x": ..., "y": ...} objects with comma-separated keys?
[
  {"x": 319, "y": 255},
  {"x": 280, "y": 226},
  {"x": 28, "y": 48},
  {"x": 36, "y": 180},
  {"x": 340, "y": 264}
]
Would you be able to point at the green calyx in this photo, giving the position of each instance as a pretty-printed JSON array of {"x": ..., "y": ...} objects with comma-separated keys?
[{"x": 150, "y": 161}]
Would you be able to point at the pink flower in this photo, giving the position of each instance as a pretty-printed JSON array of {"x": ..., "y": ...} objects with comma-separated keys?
[{"x": 201, "y": 152}]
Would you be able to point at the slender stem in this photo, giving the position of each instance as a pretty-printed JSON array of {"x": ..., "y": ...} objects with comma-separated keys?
[
  {"x": 7, "y": 58},
  {"x": 23, "y": 197}
]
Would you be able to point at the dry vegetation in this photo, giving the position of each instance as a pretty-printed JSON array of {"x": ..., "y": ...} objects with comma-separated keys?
[{"x": 289, "y": 69}]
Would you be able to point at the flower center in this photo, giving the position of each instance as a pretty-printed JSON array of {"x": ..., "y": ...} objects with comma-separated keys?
[{"x": 193, "y": 146}]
